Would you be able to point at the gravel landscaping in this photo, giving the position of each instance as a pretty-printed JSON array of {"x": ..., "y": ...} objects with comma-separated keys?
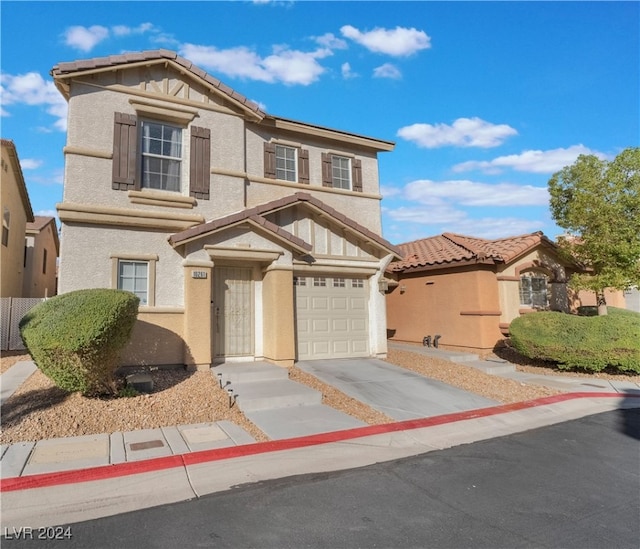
[{"x": 39, "y": 410}]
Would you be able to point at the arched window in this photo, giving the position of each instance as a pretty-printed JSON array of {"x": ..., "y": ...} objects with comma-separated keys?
[{"x": 534, "y": 290}]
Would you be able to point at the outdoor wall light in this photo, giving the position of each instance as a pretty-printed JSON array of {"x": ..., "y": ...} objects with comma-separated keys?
[
  {"x": 383, "y": 285},
  {"x": 403, "y": 289}
]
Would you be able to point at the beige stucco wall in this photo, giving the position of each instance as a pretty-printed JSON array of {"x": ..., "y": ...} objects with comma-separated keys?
[
  {"x": 12, "y": 255},
  {"x": 614, "y": 298},
  {"x": 86, "y": 252},
  {"x": 463, "y": 307},
  {"x": 157, "y": 339},
  {"x": 278, "y": 312},
  {"x": 36, "y": 282}
]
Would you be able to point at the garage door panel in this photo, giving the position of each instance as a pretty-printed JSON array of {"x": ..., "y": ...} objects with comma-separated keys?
[
  {"x": 340, "y": 324},
  {"x": 320, "y": 325},
  {"x": 359, "y": 347},
  {"x": 332, "y": 319},
  {"x": 339, "y": 304}
]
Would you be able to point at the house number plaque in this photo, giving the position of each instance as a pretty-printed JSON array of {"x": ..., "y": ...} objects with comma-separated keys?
[{"x": 198, "y": 274}]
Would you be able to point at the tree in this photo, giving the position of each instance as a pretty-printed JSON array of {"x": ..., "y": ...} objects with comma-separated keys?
[{"x": 598, "y": 203}]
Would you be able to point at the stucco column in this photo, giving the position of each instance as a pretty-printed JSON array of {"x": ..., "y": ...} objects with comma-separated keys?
[
  {"x": 279, "y": 313},
  {"x": 197, "y": 314}
]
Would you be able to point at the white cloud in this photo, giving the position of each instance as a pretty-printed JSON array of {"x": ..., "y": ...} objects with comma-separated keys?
[
  {"x": 388, "y": 192},
  {"x": 533, "y": 161},
  {"x": 287, "y": 66},
  {"x": 47, "y": 213},
  {"x": 432, "y": 221},
  {"x": 464, "y": 132},
  {"x": 32, "y": 89},
  {"x": 427, "y": 215},
  {"x": 123, "y": 30},
  {"x": 329, "y": 40},
  {"x": 471, "y": 193},
  {"x": 347, "y": 73},
  {"x": 83, "y": 38},
  {"x": 387, "y": 71},
  {"x": 30, "y": 163},
  {"x": 397, "y": 42}
]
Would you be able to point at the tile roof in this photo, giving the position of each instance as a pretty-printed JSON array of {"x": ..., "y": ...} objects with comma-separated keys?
[
  {"x": 39, "y": 222},
  {"x": 448, "y": 250},
  {"x": 63, "y": 69},
  {"x": 257, "y": 212}
]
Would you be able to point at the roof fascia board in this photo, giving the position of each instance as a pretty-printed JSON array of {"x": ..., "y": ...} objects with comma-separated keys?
[{"x": 335, "y": 135}]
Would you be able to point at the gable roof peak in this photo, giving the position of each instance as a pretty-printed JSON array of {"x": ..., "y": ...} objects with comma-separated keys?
[{"x": 65, "y": 70}]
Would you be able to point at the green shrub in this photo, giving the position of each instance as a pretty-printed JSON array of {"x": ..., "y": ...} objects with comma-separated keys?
[
  {"x": 76, "y": 338},
  {"x": 590, "y": 343}
]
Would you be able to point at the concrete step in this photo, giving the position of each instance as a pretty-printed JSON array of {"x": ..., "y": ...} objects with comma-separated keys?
[
  {"x": 270, "y": 394},
  {"x": 248, "y": 372},
  {"x": 493, "y": 367}
]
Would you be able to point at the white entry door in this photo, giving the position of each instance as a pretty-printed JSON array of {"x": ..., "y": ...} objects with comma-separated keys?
[
  {"x": 232, "y": 312},
  {"x": 332, "y": 317}
]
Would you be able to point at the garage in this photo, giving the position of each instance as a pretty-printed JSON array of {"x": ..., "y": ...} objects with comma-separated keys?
[{"x": 332, "y": 317}]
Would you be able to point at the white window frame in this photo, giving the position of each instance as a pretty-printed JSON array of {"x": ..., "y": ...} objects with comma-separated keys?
[
  {"x": 163, "y": 184},
  {"x": 148, "y": 259},
  {"x": 341, "y": 172},
  {"x": 284, "y": 170},
  {"x": 530, "y": 297}
]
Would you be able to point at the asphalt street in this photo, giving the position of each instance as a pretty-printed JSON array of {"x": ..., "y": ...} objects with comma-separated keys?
[{"x": 574, "y": 484}]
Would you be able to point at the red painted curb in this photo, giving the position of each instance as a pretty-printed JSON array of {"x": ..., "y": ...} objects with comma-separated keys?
[{"x": 157, "y": 464}]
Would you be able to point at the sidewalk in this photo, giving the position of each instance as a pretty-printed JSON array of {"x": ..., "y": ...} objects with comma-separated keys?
[{"x": 68, "y": 480}]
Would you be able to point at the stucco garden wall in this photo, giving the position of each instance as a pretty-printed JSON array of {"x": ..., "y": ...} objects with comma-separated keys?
[{"x": 462, "y": 307}]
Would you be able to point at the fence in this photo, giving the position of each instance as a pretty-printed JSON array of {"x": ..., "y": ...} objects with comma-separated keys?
[{"x": 12, "y": 309}]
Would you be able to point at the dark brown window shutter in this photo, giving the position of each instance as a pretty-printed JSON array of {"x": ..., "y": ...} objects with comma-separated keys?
[
  {"x": 125, "y": 139},
  {"x": 303, "y": 166},
  {"x": 200, "y": 166},
  {"x": 327, "y": 170},
  {"x": 270, "y": 160},
  {"x": 356, "y": 175}
]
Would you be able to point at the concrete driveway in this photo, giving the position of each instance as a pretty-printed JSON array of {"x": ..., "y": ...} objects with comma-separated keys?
[{"x": 399, "y": 393}]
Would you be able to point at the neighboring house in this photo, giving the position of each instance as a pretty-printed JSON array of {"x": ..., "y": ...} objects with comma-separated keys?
[
  {"x": 632, "y": 299},
  {"x": 245, "y": 235},
  {"x": 16, "y": 212},
  {"x": 468, "y": 290},
  {"x": 40, "y": 258}
]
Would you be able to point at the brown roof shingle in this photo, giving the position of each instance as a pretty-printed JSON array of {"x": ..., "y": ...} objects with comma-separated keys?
[{"x": 451, "y": 249}]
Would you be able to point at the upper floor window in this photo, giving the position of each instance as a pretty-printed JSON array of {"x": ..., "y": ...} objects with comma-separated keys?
[
  {"x": 149, "y": 154},
  {"x": 341, "y": 172},
  {"x": 533, "y": 290},
  {"x": 161, "y": 156},
  {"x": 286, "y": 163}
]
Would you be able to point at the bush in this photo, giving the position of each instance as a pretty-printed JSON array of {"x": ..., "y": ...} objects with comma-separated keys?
[
  {"x": 76, "y": 338},
  {"x": 590, "y": 343}
]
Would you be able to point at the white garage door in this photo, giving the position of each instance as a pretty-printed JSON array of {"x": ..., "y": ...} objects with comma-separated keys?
[{"x": 332, "y": 318}]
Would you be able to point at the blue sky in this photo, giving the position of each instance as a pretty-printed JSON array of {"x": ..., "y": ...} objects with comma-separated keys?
[{"x": 484, "y": 100}]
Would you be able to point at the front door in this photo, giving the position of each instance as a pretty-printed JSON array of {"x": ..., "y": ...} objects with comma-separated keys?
[{"x": 233, "y": 312}]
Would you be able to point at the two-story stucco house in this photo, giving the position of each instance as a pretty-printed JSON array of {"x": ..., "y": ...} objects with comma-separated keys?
[{"x": 245, "y": 235}]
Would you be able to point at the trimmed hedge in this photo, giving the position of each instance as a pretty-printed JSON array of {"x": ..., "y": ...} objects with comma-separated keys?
[
  {"x": 590, "y": 343},
  {"x": 76, "y": 338}
]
